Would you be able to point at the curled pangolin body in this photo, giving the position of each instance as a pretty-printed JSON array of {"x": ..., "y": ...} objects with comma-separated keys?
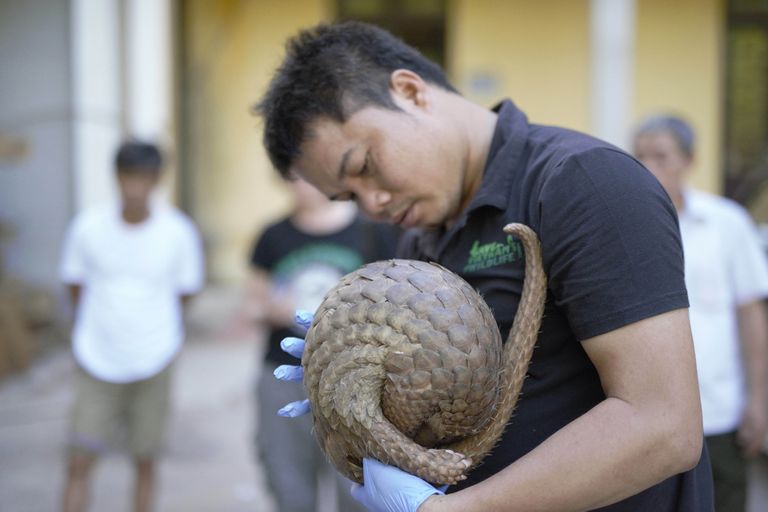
[{"x": 404, "y": 363}]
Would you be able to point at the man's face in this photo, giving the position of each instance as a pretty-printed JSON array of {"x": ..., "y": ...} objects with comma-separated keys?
[
  {"x": 661, "y": 154},
  {"x": 405, "y": 168},
  {"x": 136, "y": 187}
]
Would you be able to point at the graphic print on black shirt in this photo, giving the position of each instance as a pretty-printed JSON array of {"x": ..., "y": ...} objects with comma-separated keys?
[{"x": 305, "y": 266}]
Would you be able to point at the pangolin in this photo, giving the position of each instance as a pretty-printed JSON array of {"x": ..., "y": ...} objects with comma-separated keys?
[{"x": 404, "y": 363}]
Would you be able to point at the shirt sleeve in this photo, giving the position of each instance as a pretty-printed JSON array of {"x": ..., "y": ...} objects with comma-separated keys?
[
  {"x": 749, "y": 268},
  {"x": 191, "y": 273},
  {"x": 72, "y": 267},
  {"x": 261, "y": 254},
  {"x": 610, "y": 242}
]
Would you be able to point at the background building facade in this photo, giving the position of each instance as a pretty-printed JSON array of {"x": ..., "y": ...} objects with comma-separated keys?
[{"x": 78, "y": 75}]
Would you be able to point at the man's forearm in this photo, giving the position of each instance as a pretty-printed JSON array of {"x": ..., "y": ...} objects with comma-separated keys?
[{"x": 612, "y": 452}]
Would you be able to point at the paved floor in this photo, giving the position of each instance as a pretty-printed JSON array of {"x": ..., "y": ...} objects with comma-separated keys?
[{"x": 208, "y": 466}]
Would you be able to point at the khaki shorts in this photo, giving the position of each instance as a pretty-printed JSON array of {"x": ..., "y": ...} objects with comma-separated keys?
[{"x": 130, "y": 416}]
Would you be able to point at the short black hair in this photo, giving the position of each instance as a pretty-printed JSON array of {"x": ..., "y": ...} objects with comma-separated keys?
[
  {"x": 676, "y": 126},
  {"x": 138, "y": 156},
  {"x": 334, "y": 70}
]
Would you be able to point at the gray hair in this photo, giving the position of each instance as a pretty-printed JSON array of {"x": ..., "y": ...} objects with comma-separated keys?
[{"x": 678, "y": 128}]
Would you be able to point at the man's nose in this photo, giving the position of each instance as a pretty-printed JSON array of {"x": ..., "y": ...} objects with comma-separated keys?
[{"x": 374, "y": 203}]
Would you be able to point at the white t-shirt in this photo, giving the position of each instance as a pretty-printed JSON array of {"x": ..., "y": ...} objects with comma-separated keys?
[
  {"x": 129, "y": 323},
  {"x": 725, "y": 267}
]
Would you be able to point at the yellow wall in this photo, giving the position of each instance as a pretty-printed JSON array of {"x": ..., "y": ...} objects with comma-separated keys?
[
  {"x": 535, "y": 52},
  {"x": 232, "y": 49},
  {"x": 679, "y": 68}
]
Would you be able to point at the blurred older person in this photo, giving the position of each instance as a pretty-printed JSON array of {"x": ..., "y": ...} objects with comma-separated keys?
[{"x": 727, "y": 279}]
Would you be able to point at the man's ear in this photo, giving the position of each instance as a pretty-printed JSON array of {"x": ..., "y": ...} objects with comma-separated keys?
[{"x": 407, "y": 86}]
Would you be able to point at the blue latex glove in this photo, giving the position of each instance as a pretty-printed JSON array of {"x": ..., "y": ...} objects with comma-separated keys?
[
  {"x": 389, "y": 489},
  {"x": 287, "y": 372}
]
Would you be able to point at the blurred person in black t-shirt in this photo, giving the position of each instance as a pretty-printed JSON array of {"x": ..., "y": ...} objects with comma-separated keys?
[{"x": 294, "y": 262}]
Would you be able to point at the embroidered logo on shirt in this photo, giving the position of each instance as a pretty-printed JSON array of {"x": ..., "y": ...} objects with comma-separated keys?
[{"x": 493, "y": 254}]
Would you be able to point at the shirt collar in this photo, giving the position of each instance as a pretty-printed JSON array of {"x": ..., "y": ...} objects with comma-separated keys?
[{"x": 504, "y": 154}]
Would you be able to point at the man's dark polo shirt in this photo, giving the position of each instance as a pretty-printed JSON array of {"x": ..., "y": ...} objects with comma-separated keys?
[{"x": 612, "y": 253}]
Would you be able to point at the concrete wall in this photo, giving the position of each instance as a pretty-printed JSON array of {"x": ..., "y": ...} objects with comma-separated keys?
[
  {"x": 36, "y": 199},
  {"x": 535, "y": 52}
]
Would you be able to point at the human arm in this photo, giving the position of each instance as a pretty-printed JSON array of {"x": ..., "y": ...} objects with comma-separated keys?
[
  {"x": 612, "y": 253},
  {"x": 264, "y": 305},
  {"x": 73, "y": 268},
  {"x": 75, "y": 290},
  {"x": 186, "y": 299},
  {"x": 753, "y": 334},
  {"x": 189, "y": 269},
  {"x": 647, "y": 429},
  {"x": 257, "y": 287}
]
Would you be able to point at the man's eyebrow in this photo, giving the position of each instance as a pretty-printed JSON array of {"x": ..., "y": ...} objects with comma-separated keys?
[{"x": 343, "y": 165}]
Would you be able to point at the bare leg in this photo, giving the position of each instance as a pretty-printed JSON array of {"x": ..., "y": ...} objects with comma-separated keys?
[
  {"x": 145, "y": 485},
  {"x": 76, "y": 490}
]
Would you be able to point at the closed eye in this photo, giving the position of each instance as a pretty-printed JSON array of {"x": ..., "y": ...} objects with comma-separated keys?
[
  {"x": 366, "y": 169},
  {"x": 344, "y": 196}
]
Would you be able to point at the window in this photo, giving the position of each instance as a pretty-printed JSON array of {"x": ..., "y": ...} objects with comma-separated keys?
[{"x": 746, "y": 102}]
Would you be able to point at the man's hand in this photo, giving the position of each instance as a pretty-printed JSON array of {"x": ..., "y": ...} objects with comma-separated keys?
[
  {"x": 752, "y": 431},
  {"x": 388, "y": 489},
  {"x": 287, "y": 372}
]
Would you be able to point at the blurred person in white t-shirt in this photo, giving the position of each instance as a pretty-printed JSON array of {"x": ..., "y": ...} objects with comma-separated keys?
[{"x": 130, "y": 268}]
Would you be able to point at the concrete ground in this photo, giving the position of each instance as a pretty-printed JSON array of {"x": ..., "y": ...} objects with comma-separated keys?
[{"x": 208, "y": 466}]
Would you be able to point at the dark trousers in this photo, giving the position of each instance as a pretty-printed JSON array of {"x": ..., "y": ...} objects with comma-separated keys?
[
  {"x": 729, "y": 471},
  {"x": 291, "y": 456}
]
